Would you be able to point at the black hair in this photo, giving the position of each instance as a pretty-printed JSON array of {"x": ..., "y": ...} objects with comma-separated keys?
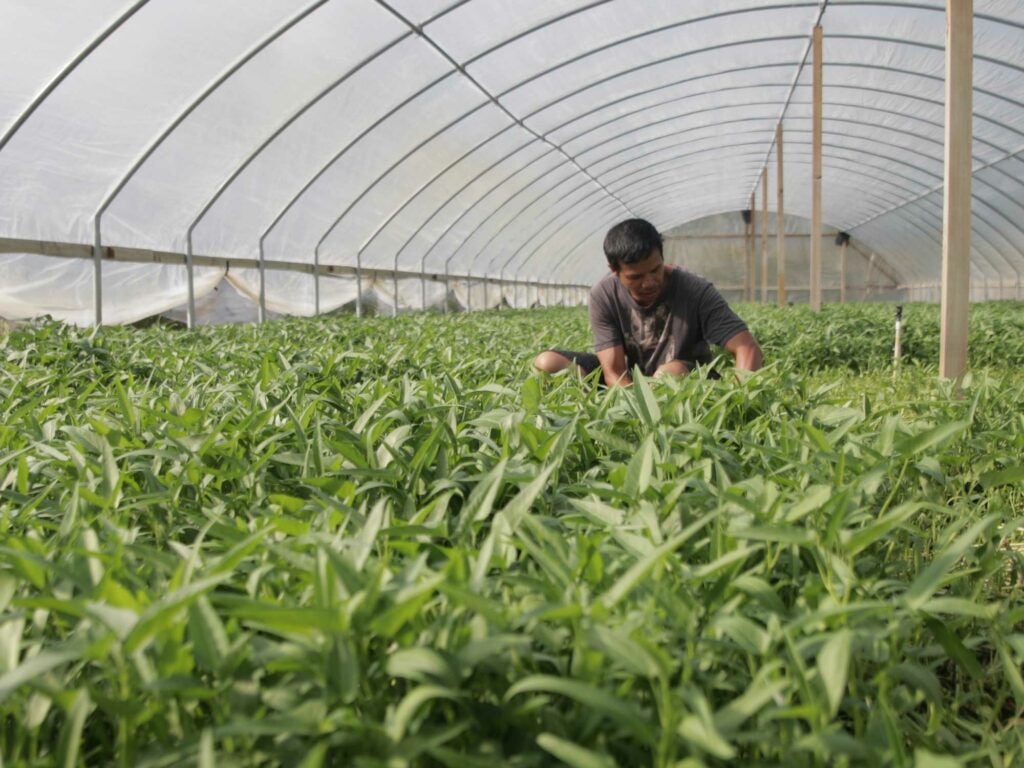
[{"x": 631, "y": 241}]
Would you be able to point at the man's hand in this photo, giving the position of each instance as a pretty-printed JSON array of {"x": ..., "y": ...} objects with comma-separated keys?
[{"x": 745, "y": 350}]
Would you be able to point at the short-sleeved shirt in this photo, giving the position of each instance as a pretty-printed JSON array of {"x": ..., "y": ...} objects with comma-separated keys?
[{"x": 689, "y": 314}]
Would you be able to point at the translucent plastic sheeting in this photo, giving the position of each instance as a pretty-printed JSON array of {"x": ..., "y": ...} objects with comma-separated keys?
[
  {"x": 482, "y": 137},
  {"x": 33, "y": 286},
  {"x": 715, "y": 247}
]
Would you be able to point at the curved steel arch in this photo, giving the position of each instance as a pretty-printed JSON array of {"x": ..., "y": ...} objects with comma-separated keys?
[
  {"x": 908, "y": 72},
  {"x": 544, "y": 244},
  {"x": 494, "y": 99},
  {"x": 600, "y": 214},
  {"x": 976, "y": 232},
  {"x": 665, "y": 28},
  {"x": 66, "y": 70},
  {"x": 748, "y": 144},
  {"x": 116, "y": 189},
  {"x": 657, "y": 104},
  {"x": 681, "y": 116},
  {"x": 494, "y": 212},
  {"x": 830, "y": 103},
  {"x": 789, "y": 131},
  {"x": 559, "y": 223},
  {"x": 568, "y": 256},
  {"x": 974, "y": 173},
  {"x": 522, "y": 211},
  {"x": 368, "y": 188},
  {"x": 649, "y": 193},
  {"x": 468, "y": 209},
  {"x": 539, "y": 247},
  {"x": 872, "y": 67}
]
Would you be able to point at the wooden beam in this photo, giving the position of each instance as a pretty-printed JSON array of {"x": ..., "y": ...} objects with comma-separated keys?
[
  {"x": 956, "y": 206},
  {"x": 748, "y": 260},
  {"x": 753, "y": 240},
  {"x": 764, "y": 235},
  {"x": 842, "y": 271},
  {"x": 815, "y": 267},
  {"x": 780, "y": 219}
]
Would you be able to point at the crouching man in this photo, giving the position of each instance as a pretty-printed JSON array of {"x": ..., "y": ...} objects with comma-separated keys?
[{"x": 653, "y": 315}]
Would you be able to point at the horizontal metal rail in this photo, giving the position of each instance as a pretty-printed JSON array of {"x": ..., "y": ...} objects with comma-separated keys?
[{"x": 149, "y": 256}]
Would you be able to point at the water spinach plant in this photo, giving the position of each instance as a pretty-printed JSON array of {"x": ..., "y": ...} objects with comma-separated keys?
[{"x": 388, "y": 543}]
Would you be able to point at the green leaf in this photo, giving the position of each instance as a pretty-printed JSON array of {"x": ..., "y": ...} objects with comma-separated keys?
[
  {"x": 209, "y": 639},
  {"x": 520, "y": 506},
  {"x": 639, "y": 469},
  {"x": 931, "y": 578},
  {"x": 164, "y": 612},
  {"x": 628, "y": 581},
  {"x": 572, "y": 754},
  {"x": 834, "y": 668},
  {"x": 481, "y": 499},
  {"x": 38, "y": 665},
  {"x": 926, "y": 759},
  {"x": 644, "y": 400},
  {"x": 1005, "y": 476},
  {"x": 931, "y": 438},
  {"x": 342, "y": 669},
  {"x": 955, "y": 648},
  {"x": 398, "y": 721},
  {"x": 70, "y": 743},
  {"x": 624, "y": 714}
]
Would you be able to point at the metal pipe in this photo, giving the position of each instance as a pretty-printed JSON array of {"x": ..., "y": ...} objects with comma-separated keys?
[
  {"x": 261, "y": 314},
  {"x": 190, "y": 271},
  {"x": 97, "y": 278},
  {"x": 316, "y": 283}
]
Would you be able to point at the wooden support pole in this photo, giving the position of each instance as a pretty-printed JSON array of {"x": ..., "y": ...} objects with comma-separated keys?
[
  {"x": 842, "y": 272},
  {"x": 748, "y": 252},
  {"x": 780, "y": 219},
  {"x": 752, "y": 269},
  {"x": 764, "y": 235},
  {"x": 956, "y": 213},
  {"x": 815, "y": 276}
]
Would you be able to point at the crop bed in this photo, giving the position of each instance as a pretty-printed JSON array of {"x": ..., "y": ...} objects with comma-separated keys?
[{"x": 388, "y": 543}]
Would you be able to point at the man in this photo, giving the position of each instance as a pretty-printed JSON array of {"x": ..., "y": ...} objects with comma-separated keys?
[{"x": 653, "y": 315}]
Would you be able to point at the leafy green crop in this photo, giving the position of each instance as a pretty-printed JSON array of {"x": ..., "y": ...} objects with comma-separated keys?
[{"x": 388, "y": 542}]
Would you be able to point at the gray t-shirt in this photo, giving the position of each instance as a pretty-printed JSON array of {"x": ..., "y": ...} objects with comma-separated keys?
[{"x": 690, "y": 313}]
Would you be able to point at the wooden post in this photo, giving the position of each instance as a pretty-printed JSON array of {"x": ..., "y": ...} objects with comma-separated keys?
[
  {"x": 815, "y": 276},
  {"x": 780, "y": 219},
  {"x": 842, "y": 272},
  {"x": 956, "y": 213},
  {"x": 752, "y": 268},
  {"x": 764, "y": 235}
]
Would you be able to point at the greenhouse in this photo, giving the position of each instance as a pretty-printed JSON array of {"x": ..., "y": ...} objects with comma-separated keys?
[{"x": 283, "y": 481}]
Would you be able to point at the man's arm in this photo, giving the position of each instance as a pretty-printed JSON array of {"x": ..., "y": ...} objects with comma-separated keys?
[
  {"x": 613, "y": 366},
  {"x": 745, "y": 350}
]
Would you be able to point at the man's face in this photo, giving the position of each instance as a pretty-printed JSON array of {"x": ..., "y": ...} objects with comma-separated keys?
[{"x": 645, "y": 280}]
